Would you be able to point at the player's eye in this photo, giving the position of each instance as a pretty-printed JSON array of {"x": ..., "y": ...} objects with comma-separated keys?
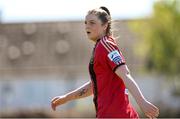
[{"x": 92, "y": 22}]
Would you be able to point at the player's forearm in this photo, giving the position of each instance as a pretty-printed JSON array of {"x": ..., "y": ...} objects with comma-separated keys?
[
  {"x": 81, "y": 92},
  {"x": 133, "y": 88},
  {"x": 130, "y": 84}
]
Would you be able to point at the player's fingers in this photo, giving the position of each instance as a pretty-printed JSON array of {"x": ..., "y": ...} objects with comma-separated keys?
[
  {"x": 156, "y": 114},
  {"x": 148, "y": 116},
  {"x": 154, "y": 108},
  {"x": 57, "y": 102},
  {"x": 54, "y": 108},
  {"x": 152, "y": 114},
  {"x": 155, "y": 111},
  {"x": 54, "y": 99},
  {"x": 54, "y": 104}
]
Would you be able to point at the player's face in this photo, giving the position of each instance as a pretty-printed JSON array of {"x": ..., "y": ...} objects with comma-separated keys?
[{"x": 94, "y": 27}]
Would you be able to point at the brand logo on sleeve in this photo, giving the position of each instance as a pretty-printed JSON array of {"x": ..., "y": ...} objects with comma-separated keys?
[
  {"x": 126, "y": 91},
  {"x": 115, "y": 56}
]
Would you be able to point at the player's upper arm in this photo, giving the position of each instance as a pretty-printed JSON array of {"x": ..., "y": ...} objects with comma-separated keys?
[{"x": 122, "y": 71}]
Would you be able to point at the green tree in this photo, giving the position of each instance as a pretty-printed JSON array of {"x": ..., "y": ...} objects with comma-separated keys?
[{"x": 161, "y": 38}]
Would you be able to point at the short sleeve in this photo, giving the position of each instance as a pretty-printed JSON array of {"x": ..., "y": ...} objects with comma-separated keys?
[
  {"x": 115, "y": 59},
  {"x": 113, "y": 55}
]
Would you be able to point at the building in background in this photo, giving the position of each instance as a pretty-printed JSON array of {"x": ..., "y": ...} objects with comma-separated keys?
[{"x": 41, "y": 60}]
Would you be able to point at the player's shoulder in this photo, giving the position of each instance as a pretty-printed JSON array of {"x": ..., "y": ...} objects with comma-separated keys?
[{"x": 108, "y": 43}]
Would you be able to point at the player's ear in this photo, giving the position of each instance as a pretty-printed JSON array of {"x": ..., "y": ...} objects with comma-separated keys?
[{"x": 105, "y": 26}]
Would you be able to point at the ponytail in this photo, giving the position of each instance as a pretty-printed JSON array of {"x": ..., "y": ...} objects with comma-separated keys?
[{"x": 105, "y": 9}]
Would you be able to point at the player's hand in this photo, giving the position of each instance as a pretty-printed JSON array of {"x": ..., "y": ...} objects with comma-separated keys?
[
  {"x": 149, "y": 109},
  {"x": 58, "y": 100}
]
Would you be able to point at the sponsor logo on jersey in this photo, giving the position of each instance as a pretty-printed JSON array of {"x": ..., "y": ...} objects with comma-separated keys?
[
  {"x": 115, "y": 56},
  {"x": 126, "y": 91}
]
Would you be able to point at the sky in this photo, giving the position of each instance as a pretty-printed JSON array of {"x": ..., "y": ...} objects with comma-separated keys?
[{"x": 62, "y": 10}]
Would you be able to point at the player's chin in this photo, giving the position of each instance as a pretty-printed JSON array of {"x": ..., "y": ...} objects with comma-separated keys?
[{"x": 90, "y": 37}]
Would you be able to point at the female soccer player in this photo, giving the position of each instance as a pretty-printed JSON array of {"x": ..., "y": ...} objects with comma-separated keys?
[{"x": 110, "y": 76}]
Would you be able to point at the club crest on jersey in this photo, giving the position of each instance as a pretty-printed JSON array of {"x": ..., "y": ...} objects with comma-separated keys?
[{"x": 115, "y": 56}]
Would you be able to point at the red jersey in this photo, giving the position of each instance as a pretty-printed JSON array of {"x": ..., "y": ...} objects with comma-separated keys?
[{"x": 110, "y": 93}]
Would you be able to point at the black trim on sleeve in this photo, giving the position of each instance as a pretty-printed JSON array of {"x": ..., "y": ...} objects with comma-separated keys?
[{"x": 118, "y": 66}]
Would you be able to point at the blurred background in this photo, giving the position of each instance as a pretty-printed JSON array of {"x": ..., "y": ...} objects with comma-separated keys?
[{"x": 44, "y": 52}]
